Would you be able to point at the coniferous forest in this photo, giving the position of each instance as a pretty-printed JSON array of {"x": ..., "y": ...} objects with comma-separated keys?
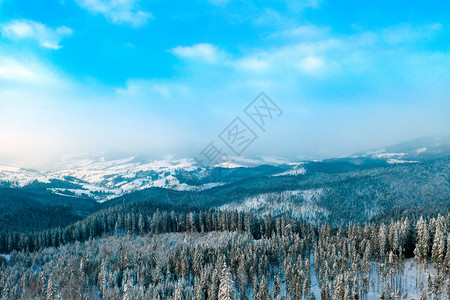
[
  {"x": 224, "y": 150},
  {"x": 143, "y": 251}
]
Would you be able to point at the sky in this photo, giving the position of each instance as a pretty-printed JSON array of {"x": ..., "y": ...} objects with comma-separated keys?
[{"x": 153, "y": 77}]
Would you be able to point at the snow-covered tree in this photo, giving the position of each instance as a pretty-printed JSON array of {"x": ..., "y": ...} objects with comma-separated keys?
[{"x": 226, "y": 287}]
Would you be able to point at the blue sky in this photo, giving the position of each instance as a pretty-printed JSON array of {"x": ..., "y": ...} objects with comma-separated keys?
[{"x": 156, "y": 78}]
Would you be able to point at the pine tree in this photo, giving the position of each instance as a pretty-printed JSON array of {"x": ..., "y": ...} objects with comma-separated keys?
[
  {"x": 141, "y": 224},
  {"x": 355, "y": 290},
  {"x": 382, "y": 241},
  {"x": 436, "y": 251},
  {"x": 422, "y": 246},
  {"x": 198, "y": 289},
  {"x": 447, "y": 257},
  {"x": 213, "y": 288},
  {"x": 276, "y": 287},
  {"x": 307, "y": 288},
  {"x": 339, "y": 287},
  {"x": 441, "y": 254},
  {"x": 5, "y": 291},
  {"x": 103, "y": 284},
  {"x": 255, "y": 287},
  {"x": 429, "y": 284},
  {"x": 325, "y": 292},
  {"x": 347, "y": 292},
  {"x": 42, "y": 284},
  {"x": 129, "y": 291},
  {"x": 264, "y": 289},
  {"x": 447, "y": 288},
  {"x": 198, "y": 260},
  {"x": 178, "y": 294},
  {"x": 51, "y": 290},
  {"x": 243, "y": 276},
  {"x": 423, "y": 295},
  {"x": 226, "y": 286}
]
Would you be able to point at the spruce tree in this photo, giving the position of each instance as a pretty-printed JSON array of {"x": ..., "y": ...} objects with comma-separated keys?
[{"x": 226, "y": 286}]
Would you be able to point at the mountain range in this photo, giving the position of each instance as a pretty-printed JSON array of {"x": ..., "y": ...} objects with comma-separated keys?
[{"x": 376, "y": 184}]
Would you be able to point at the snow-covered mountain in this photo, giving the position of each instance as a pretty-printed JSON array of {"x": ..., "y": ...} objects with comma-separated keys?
[
  {"x": 95, "y": 177},
  {"x": 414, "y": 150},
  {"x": 100, "y": 178}
]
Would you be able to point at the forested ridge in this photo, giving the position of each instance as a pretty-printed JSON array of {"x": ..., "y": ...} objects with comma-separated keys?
[
  {"x": 145, "y": 251},
  {"x": 344, "y": 192},
  {"x": 339, "y": 232}
]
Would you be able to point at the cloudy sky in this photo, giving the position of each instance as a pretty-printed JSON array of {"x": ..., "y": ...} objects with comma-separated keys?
[{"x": 155, "y": 77}]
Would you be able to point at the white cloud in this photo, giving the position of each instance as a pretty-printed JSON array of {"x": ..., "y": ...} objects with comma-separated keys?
[
  {"x": 305, "y": 32},
  {"x": 310, "y": 51},
  {"x": 314, "y": 52},
  {"x": 203, "y": 52},
  {"x": 14, "y": 71},
  {"x": 253, "y": 64},
  {"x": 307, "y": 58},
  {"x": 26, "y": 72},
  {"x": 408, "y": 34},
  {"x": 117, "y": 11},
  {"x": 27, "y": 29},
  {"x": 149, "y": 89},
  {"x": 311, "y": 64}
]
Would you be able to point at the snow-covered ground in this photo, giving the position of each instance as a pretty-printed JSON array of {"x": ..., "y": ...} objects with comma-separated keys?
[
  {"x": 6, "y": 256},
  {"x": 400, "y": 161},
  {"x": 388, "y": 155},
  {"x": 21, "y": 177},
  {"x": 411, "y": 278},
  {"x": 293, "y": 172},
  {"x": 300, "y": 203},
  {"x": 101, "y": 179}
]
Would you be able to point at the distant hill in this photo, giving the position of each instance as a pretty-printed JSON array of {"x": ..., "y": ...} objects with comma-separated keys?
[{"x": 401, "y": 180}]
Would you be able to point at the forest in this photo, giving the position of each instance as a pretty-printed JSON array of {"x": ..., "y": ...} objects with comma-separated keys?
[{"x": 143, "y": 251}]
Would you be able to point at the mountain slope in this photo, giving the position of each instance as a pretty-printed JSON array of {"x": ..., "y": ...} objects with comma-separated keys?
[
  {"x": 326, "y": 191},
  {"x": 360, "y": 188}
]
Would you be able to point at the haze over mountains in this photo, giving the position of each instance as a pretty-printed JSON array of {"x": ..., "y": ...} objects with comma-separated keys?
[
  {"x": 96, "y": 177},
  {"x": 363, "y": 187}
]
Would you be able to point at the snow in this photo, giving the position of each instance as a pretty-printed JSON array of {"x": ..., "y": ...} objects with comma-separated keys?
[
  {"x": 18, "y": 177},
  {"x": 293, "y": 172},
  {"x": 6, "y": 256},
  {"x": 374, "y": 152},
  {"x": 421, "y": 150},
  {"x": 299, "y": 203},
  {"x": 74, "y": 192},
  {"x": 101, "y": 179},
  {"x": 230, "y": 165},
  {"x": 400, "y": 161},
  {"x": 394, "y": 158},
  {"x": 206, "y": 186},
  {"x": 274, "y": 160},
  {"x": 388, "y": 155},
  {"x": 93, "y": 176},
  {"x": 412, "y": 275},
  {"x": 249, "y": 162}
]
